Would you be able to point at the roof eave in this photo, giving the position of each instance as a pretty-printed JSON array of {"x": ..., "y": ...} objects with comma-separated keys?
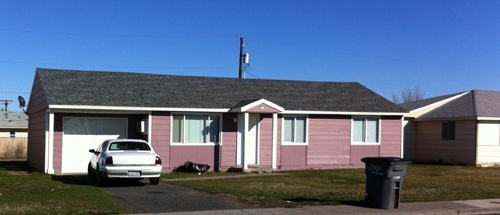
[
  {"x": 122, "y": 109},
  {"x": 446, "y": 119}
]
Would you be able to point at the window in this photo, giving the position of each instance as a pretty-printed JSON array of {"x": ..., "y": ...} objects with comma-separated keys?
[
  {"x": 448, "y": 131},
  {"x": 195, "y": 129},
  {"x": 365, "y": 130},
  {"x": 295, "y": 130},
  {"x": 129, "y": 146}
]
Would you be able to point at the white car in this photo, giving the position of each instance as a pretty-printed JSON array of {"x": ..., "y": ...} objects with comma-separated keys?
[{"x": 124, "y": 158}]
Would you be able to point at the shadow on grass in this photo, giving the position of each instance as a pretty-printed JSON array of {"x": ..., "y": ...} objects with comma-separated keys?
[{"x": 16, "y": 166}]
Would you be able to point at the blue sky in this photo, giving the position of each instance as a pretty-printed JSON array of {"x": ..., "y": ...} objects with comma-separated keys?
[{"x": 441, "y": 46}]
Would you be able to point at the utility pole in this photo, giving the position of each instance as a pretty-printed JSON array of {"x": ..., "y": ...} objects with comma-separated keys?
[
  {"x": 5, "y": 102},
  {"x": 244, "y": 59},
  {"x": 242, "y": 46}
]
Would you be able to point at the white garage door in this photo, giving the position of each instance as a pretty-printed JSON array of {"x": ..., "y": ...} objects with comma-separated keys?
[{"x": 82, "y": 134}]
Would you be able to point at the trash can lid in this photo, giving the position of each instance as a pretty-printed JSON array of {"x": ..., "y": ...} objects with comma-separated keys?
[{"x": 385, "y": 160}]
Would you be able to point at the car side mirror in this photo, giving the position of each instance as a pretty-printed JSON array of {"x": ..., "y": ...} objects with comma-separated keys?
[{"x": 92, "y": 151}]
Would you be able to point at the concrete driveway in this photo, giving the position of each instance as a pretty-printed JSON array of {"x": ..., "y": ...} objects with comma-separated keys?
[{"x": 141, "y": 197}]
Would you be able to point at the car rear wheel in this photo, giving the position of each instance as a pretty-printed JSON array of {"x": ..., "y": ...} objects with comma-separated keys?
[
  {"x": 154, "y": 181},
  {"x": 91, "y": 173},
  {"x": 101, "y": 181}
]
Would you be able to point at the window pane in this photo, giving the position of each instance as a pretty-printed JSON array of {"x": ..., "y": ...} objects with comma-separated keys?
[
  {"x": 177, "y": 134},
  {"x": 300, "y": 131},
  {"x": 371, "y": 130},
  {"x": 214, "y": 129},
  {"x": 358, "y": 126},
  {"x": 195, "y": 129},
  {"x": 288, "y": 134},
  {"x": 444, "y": 130},
  {"x": 451, "y": 130}
]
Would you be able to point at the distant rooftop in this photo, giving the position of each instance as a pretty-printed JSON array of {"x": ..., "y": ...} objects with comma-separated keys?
[
  {"x": 13, "y": 120},
  {"x": 469, "y": 105}
]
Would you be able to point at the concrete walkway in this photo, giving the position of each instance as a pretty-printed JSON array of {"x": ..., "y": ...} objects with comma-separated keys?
[{"x": 467, "y": 207}]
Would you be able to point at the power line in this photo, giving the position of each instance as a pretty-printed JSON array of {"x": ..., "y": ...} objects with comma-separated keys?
[
  {"x": 116, "y": 35},
  {"x": 117, "y": 66}
]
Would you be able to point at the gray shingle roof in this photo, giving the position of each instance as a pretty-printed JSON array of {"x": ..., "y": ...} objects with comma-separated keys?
[
  {"x": 487, "y": 103},
  {"x": 13, "y": 120},
  {"x": 473, "y": 104},
  {"x": 72, "y": 87}
]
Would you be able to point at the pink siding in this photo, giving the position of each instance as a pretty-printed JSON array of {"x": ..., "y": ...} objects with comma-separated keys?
[
  {"x": 228, "y": 144},
  {"x": 361, "y": 151},
  {"x": 58, "y": 134},
  {"x": 36, "y": 140},
  {"x": 262, "y": 108},
  {"x": 293, "y": 157},
  {"x": 329, "y": 140},
  {"x": 37, "y": 101},
  {"x": 160, "y": 136},
  {"x": 196, "y": 154},
  {"x": 266, "y": 140},
  {"x": 36, "y": 126},
  {"x": 390, "y": 138}
]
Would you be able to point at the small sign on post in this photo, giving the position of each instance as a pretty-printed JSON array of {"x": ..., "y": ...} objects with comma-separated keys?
[{"x": 12, "y": 134}]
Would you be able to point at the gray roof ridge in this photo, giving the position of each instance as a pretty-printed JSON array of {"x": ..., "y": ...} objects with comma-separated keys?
[{"x": 189, "y": 76}]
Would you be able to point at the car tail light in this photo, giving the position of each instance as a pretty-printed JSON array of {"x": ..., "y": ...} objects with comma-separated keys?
[
  {"x": 109, "y": 160},
  {"x": 158, "y": 160}
]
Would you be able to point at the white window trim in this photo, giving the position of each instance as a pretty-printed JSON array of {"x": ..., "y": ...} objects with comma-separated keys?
[
  {"x": 172, "y": 143},
  {"x": 379, "y": 130},
  {"x": 283, "y": 131}
]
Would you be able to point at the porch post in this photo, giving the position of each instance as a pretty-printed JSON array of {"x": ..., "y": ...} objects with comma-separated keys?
[
  {"x": 275, "y": 134},
  {"x": 49, "y": 143},
  {"x": 244, "y": 138}
]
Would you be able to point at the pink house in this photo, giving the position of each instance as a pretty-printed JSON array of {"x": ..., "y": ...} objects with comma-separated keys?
[{"x": 223, "y": 122}]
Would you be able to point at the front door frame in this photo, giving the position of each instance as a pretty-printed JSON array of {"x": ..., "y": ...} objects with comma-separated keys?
[{"x": 245, "y": 122}]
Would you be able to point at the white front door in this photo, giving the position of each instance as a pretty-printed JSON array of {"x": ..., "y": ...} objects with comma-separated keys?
[{"x": 248, "y": 149}]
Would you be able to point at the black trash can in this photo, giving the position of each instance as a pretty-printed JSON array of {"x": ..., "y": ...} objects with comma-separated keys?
[{"x": 384, "y": 180}]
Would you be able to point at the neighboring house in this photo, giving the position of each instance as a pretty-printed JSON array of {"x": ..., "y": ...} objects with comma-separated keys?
[
  {"x": 13, "y": 125},
  {"x": 223, "y": 122},
  {"x": 461, "y": 128},
  {"x": 13, "y": 134}
]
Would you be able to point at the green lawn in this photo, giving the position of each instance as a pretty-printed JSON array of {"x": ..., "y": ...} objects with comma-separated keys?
[
  {"x": 26, "y": 192},
  {"x": 347, "y": 186}
]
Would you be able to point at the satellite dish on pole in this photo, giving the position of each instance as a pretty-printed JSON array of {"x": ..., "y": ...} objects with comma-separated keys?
[{"x": 22, "y": 103}]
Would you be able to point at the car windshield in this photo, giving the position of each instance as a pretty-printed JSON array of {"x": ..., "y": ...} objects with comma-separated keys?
[{"x": 129, "y": 146}]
